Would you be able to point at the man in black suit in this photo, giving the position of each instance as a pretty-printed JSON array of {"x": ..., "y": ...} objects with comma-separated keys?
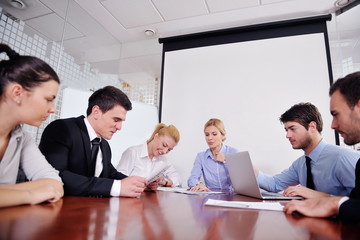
[
  {"x": 66, "y": 144},
  {"x": 345, "y": 109}
]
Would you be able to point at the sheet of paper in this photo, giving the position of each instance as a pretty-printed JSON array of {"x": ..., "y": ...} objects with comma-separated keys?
[
  {"x": 167, "y": 189},
  {"x": 156, "y": 173},
  {"x": 274, "y": 206},
  {"x": 186, "y": 191}
]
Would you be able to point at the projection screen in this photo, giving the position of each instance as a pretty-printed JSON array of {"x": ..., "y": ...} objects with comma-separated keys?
[{"x": 247, "y": 77}]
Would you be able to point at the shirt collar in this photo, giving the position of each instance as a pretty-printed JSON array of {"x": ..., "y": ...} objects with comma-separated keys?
[
  {"x": 144, "y": 154},
  {"x": 144, "y": 151},
  {"x": 90, "y": 129},
  {"x": 16, "y": 134},
  {"x": 208, "y": 151},
  {"x": 314, "y": 155}
]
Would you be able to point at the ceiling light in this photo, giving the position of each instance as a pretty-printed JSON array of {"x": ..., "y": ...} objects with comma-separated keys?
[
  {"x": 341, "y": 3},
  {"x": 149, "y": 32},
  {"x": 19, "y": 4}
]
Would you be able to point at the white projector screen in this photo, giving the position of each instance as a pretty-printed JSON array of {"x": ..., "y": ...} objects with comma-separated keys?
[{"x": 247, "y": 85}]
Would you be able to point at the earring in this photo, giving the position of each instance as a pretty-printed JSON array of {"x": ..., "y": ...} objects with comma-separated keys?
[{"x": 18, "y": 101}]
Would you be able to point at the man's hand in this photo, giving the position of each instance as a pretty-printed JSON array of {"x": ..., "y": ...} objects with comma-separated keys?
[
  {"x": 314, "y": 207},
  {"x": 304, "y": 192},
  {"x": 132, "y": 186},
  {"x": 154, "y": 185}
]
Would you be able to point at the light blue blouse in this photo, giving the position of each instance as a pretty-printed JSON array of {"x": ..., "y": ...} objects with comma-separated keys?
[
  {"x": 215, "y": 174},
  {"x": 332, "y": 167}
]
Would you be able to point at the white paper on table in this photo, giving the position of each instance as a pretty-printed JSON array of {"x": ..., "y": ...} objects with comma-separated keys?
[
  {"x": 274, "y": 206},
  {"x": 167, "y": 189},
  {"x": 186, "y": 191}
]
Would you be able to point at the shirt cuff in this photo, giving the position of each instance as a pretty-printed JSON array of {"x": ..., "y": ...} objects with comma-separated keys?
[
  {"x": 342, "y": 200},
  {"x": 115, "y": 188}
]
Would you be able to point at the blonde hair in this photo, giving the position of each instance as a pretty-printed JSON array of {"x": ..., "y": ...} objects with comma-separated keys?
[
  {"x": 170, "y": 131},
  {"x": 218, "y": 124}
]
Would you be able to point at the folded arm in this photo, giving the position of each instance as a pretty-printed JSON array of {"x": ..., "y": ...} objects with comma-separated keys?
[{"x": 32, "y": 192}]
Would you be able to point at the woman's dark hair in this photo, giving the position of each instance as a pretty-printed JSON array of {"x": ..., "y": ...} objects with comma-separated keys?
[{"x": 28, "y": 71}]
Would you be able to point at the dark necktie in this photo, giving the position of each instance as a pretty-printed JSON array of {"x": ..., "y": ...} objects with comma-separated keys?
[
  {"x": 95, "y": 143},
  {"x": 309, "y": 177}
]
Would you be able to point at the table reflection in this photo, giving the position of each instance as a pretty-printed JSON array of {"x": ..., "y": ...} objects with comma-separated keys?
[
  {"x": 325, "y": 228},
  {"x": 162, "y": 215},
  {"x": 35, "y": 219}
]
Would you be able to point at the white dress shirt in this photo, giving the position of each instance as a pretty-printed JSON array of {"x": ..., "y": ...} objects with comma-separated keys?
[
  {"x": 116, "y": 187},
  {"x": 135, "y": 161}
]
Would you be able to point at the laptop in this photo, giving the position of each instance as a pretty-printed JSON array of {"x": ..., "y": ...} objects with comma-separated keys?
[{"x": 243, "y": 178}]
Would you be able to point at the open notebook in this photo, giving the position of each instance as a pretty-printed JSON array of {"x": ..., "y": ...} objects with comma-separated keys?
[{"x": 243, "y": 178}]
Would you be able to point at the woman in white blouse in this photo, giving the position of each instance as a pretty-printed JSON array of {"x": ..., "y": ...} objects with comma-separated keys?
[
  {"x": 28, "y": 87},
  {"x": 148, "y": 160}
]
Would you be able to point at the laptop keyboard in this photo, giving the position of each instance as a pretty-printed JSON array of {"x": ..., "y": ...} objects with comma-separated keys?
[{"x": 270, "y": 194}]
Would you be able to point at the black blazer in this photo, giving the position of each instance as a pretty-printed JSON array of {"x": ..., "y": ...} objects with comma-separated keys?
[
  {"x": 66, "y": 145},
  {"x": 350, "y": 209}
]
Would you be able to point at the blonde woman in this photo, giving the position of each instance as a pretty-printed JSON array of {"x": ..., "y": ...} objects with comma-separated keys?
[
  {"x": 211, "y": 164},
  {"x": 148, "y": 159}
]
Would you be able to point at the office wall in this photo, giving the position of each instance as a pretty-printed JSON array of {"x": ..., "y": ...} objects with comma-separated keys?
[
  {"x": 27, "y": 41},
  {"x": 344, "y": 34},
  {"x": 248, "y": 85}
]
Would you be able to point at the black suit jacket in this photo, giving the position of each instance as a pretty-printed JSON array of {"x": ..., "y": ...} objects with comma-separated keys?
[
  {"x": 66, "y": 145},
  {"x": 350, "y": 209}
]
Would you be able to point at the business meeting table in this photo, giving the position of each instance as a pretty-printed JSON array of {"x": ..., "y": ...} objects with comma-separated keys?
[{"x": 162, "y": 215}]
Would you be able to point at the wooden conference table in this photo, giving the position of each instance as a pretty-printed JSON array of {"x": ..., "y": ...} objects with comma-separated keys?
[{"x": 161, "y": 215}]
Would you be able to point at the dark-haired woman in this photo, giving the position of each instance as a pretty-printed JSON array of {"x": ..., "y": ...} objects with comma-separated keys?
[{"x": 28, "y": 87}]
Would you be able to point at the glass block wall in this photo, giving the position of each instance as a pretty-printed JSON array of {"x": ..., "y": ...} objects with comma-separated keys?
[
  {"x": 13, "y": 33},
  {"x": 344, "y": 47}
]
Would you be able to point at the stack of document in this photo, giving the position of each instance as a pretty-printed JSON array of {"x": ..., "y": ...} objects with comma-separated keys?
[{"x": 275, "y": 206}]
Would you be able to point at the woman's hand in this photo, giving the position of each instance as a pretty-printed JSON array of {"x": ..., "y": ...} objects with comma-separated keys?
[
  {"x": 220, "y": 157},
  {"x": 200, "y": 188}
]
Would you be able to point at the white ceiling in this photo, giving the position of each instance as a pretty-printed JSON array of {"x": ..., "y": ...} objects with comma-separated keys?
[{"x": 110, "y": 33}]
